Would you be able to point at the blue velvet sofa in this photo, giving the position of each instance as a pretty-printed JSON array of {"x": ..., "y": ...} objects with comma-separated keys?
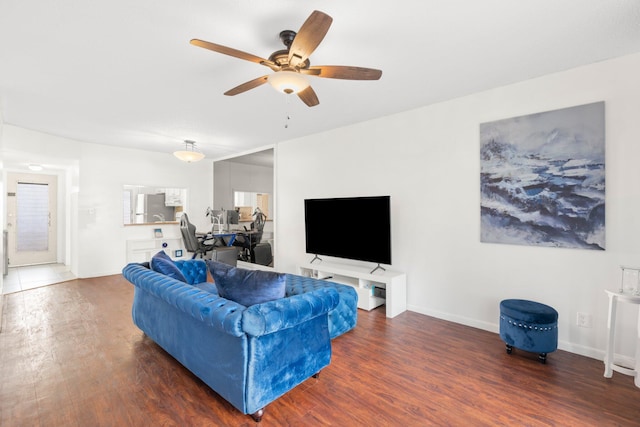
[
  {"x": 344, "y": 317},
  {"x": 250, "y": 355}
]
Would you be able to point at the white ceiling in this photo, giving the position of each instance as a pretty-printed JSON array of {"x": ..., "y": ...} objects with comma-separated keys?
[{"x": 123, "y": 73}]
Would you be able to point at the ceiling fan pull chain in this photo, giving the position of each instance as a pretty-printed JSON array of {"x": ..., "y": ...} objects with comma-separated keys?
[{"x": 286, "y": 112}]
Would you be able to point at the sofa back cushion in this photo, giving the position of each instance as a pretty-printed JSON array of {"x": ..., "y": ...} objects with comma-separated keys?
[
  {"x": 163, "y": 264},
  {"x": 246, "y": 287},
  {"x": 194, "y": 270},
  {"x": 207, "y": 287}
]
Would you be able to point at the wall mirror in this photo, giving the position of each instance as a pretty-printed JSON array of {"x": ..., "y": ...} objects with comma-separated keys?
[
  {"x": 149, "y": 205},
  {"x": 246, "y": 202},
  {"x": 246, "y": 182}
]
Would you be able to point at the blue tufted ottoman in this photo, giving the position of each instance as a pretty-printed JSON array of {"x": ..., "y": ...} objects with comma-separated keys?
[{"x": 529, "y": 326}]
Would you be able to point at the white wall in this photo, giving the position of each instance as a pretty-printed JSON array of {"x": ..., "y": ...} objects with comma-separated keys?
[
  {"x": 230, "y": 176},
  {"x": 428, "y": 161},
  {"x": 97, "y": 238},
  {"x": 2, "y": 215}
]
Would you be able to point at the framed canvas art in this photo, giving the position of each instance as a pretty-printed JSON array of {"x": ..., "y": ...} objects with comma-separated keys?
[{"x": 542, "y": 179}]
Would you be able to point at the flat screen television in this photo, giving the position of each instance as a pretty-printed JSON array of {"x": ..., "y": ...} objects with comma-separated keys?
[{"x": 357, "y": 228}]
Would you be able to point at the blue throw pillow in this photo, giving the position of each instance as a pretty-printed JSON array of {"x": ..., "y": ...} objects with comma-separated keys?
[
  {"x": 163, "y": 264},
  {"x": 246, "y": 287}
]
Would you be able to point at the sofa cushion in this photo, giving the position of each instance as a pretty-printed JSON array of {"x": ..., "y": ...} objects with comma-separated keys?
[
  {"x": 246, "y": 287},
  {"x": 207, "y": 287},
  {"x": 194, "y": 270},
  {"x": 344, "y": 317},
  {"x": 163, "y": 264}
]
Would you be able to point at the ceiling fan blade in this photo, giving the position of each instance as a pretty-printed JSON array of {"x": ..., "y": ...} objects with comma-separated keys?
[
  {"x": 247, "y": 86},
  {"x": 233, "y": 52},
  {"x": 309, "y": 97},
  {"x": 312, "y": 71},
  {"x": 309, "y": 37},
  {"x": 343, "y": 72}
]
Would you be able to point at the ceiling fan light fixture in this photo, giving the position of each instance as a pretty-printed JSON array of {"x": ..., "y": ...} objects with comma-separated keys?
[
  {"x": 288, "y": 81},
  {"x": 190, "y": 152}
]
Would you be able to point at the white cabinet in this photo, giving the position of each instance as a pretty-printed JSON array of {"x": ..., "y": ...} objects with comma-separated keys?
[
  {"x": 174, "y": 197},
  {"x": 141, "y": 250},
  {"x": 381, "y": 287}
]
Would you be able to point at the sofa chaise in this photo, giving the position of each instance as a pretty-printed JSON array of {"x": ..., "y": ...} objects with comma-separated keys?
[{"x": 249, "y": 355}]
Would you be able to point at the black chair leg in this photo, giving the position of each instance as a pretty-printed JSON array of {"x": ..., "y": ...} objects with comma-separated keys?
[
  {"x": 542, "y": 357},
  {"x": 509, "y": 349}
]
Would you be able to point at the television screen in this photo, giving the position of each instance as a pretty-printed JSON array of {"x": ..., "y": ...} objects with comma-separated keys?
[{"x": 357, "y": 228}]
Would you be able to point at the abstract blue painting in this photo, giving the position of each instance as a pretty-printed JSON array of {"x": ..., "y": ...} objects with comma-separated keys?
[{"x": 542, "y": 179}]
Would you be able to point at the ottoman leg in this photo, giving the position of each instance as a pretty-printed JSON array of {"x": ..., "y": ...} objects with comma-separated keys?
[
  {"x": 542, "y": 357},
  {"x": 509, "y": 349}
]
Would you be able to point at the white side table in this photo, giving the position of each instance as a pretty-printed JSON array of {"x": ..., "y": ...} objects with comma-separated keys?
[{"x": 609, "y": 363}]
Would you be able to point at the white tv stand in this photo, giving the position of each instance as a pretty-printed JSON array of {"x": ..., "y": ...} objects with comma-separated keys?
[{"x": 382, "y": 287}]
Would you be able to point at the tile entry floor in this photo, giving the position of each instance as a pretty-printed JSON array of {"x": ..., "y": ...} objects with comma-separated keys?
[{"x": 33, "y": 276}]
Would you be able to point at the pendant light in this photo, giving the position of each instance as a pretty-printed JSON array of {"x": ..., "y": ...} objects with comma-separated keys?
[{"x": 190, "y": 152}]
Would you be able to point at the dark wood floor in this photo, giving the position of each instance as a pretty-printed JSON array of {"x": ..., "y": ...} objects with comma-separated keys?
[{"x": 70, "y": 356}]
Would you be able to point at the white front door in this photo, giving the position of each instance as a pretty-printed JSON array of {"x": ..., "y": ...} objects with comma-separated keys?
[{"x": 31, "y": 218}]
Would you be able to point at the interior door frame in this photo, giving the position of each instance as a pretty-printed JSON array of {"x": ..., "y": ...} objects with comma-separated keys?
[{"x": 32, "y": 257}]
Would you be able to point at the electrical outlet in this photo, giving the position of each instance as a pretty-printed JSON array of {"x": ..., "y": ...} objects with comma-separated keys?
[{"x": 584, "y": 320}]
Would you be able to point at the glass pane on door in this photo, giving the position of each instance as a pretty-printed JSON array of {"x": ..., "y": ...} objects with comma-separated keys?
[{"x": 32, "y": 222}]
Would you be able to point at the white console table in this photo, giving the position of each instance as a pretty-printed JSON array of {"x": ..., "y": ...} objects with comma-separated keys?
[
  {"x": 609, "y": 361},
  {"x": 381, "y": 287}
]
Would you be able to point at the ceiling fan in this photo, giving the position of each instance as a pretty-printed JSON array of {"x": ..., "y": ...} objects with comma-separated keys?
[{"x": 291, "y": 65}]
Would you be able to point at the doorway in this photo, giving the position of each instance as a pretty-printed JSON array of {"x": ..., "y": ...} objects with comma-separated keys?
[
  {"x": 244, "y": 183},
  {"x": 32, "y": 218}
]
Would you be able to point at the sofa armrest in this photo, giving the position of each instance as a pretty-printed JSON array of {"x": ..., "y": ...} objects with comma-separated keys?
[
  {"x": 284, "y": 313},
  {"x": 211, "y": 309}
]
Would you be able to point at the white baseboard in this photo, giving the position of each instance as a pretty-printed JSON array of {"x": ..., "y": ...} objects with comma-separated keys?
[
  {"x": 467, "y": 321},
  {"x": 581, "y": 350}
]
